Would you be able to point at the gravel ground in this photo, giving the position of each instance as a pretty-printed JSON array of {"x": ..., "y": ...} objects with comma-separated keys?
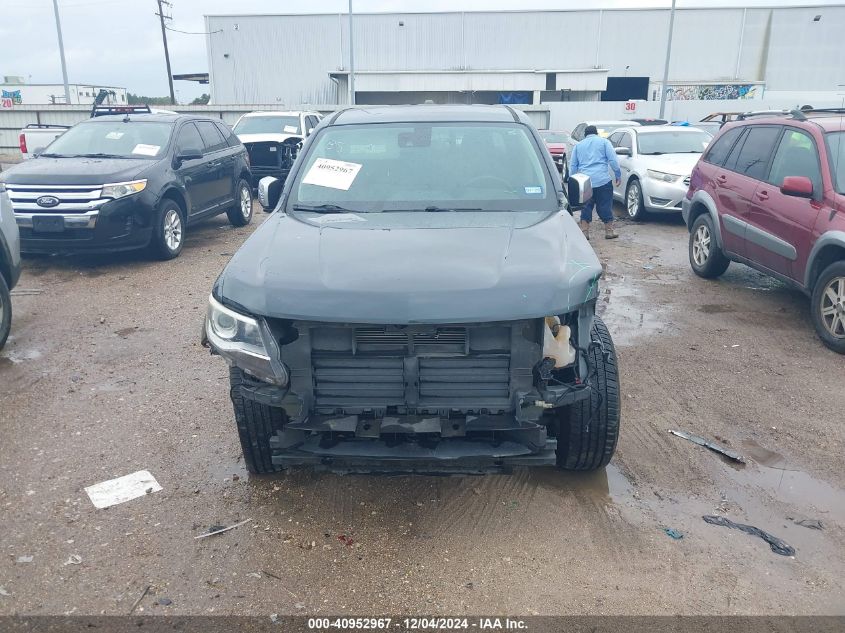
[{"x": 104, "y": 376}]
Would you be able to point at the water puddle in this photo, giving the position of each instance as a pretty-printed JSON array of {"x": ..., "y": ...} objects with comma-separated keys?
[
  {"x": 228, "y": 471},
  {"x": 628, "y": 314},
  {"x": 609, "y": 485},
  {"x": 710, "y": 308},
  {"x": 772, "y": 472}
]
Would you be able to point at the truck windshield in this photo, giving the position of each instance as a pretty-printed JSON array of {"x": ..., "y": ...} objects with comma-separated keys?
[
  {"x": 836, "y": 151},
  {"x": 268, "y": 125},
  {"x": 686, "y": 142},
  {"x": 424, "y": 167},
  {"x": 113, "y": 139}
]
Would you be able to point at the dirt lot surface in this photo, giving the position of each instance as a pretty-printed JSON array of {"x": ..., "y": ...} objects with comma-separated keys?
[{"x": 104, "y": 376}]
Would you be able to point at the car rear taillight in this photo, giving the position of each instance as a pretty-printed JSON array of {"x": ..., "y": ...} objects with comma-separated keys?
[{"x": 22, "y": 142}]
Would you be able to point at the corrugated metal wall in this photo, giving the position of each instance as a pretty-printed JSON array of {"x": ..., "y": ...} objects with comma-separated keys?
[{"x": 287, "y": 58}]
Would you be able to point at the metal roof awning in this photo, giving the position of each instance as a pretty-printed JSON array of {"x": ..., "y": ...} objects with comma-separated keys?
[
  {"x": 201, "y": 78},
  {"x": 592, "y": 79}
]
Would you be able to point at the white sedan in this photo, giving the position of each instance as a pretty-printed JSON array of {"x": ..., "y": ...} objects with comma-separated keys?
[{"x": 656, "y": 163}]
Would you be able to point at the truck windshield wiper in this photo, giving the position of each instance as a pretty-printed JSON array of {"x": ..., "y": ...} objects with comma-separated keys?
[
  {"x": 322, "y": 208},
  {"x": 435, "y": 209},
  {"x": 652, "y": 153},
  {"x": 53, "y": 155},
  {"x": 99, "y": 155}
]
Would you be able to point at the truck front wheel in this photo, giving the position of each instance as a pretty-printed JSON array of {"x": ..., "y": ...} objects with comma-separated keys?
[
  {"x": 587, "y": 431},
  {"x": 257, "y": 423}
]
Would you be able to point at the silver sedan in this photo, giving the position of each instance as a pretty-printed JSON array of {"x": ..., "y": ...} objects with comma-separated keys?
[{"x": 656, "y": 163}]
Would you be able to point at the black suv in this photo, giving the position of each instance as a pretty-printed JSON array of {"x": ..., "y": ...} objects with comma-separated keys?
[
  {"x": 421, "y": 299},
  {"x": 129, "y": 181}
]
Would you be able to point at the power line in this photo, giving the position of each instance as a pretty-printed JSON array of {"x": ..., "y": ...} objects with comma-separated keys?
[{"x": 194, "y": 32}]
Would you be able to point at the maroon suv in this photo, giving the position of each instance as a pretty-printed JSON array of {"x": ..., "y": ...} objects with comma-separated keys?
[{"x": 769, "y": 192}]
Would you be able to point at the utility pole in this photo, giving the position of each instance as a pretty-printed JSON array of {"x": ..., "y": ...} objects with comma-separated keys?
[
  {"x": 351, "y": 60},
  {"x": 666, "y": 67},
  {"x": 61, "y": 50},
  {"x": 163, "y": 17}
]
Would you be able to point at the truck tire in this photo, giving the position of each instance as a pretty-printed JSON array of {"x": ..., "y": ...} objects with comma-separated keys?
[
  {"x": 168, "y": 230},
  {"x": 256, "y": 423},
  {"x": 827, "y": 306},
  {"x": 240, "y": 213},
  {"x": 5, "y": 311},
  {"x": 587, "y": 431},
  {"x": 705, "y": 257}
]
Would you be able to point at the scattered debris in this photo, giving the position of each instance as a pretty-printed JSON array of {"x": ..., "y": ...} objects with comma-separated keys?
[
  {"x": 254, "y": 574},
  {"x": 718, "y": 448},
  {"x": 219, "y": 529},
  {"x": 308, "y": 545},
  {"x": 73, "y": 559},
  {"x": 648, "y": 267},
  {"x": 675, "y": 534},
  {"x": 114, "y": 491},
  {"x": 778, "y": 546},
  {"x": 813, "y": 524},
  {"x": 3, "y": 592},
  {"x": 165, "y": 602},
  {"x": 299, "y": 605},
  {"x": 138, "y": 601},
  {"x": 28, "y": 559},
  {"x": 274, "y": 617},
  {"x": 346, "y": 540},
  {"x": 267, "y": 573},
  {"x": 469, "y": 585}
]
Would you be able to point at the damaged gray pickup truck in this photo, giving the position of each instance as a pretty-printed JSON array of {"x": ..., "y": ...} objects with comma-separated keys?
[{"x": 420, "y": 301}]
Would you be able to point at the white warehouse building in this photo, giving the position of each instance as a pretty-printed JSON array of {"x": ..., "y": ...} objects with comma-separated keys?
[{"x": 528, "y": 56}]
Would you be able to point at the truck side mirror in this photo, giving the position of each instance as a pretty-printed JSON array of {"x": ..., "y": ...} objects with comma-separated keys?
[
  {"x": 269, "y": 192},
  {"x": 623, "y": 151},
  {"x": 579, "y": 190}
]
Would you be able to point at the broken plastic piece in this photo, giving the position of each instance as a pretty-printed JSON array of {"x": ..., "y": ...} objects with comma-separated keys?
[
  {"x": 675, "y": 534},
  {"x": 778, "y": 546},
  {"x": 813, "y": 524},
  {"x": 718, "y": 448}
]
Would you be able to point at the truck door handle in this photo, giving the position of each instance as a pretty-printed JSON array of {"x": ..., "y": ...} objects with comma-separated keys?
[
  {"x": 762, "y": 195},
  {"x": 721, "y": 179}
]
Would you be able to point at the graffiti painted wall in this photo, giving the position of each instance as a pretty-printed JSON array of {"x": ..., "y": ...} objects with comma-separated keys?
[{"x": 714, "y": 92}]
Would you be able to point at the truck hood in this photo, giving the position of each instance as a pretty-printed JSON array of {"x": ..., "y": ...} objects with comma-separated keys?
[
  {"x": 75, "y": 171},
  {"x": 265, "y": 138},
  {"x": 401, "y": 268},
  {"x": 679, "y": 164}
]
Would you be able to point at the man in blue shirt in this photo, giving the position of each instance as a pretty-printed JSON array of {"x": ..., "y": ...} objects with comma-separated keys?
[{"x": 595, "y": 157}]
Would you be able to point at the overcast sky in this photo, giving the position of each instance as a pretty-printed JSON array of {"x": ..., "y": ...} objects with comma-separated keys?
[{"x": 118, "y": 42}]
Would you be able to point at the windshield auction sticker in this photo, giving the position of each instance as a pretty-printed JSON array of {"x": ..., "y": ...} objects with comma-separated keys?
[
  {"x": 335, "y": 174},
  {"x": 146, "y": 150}
]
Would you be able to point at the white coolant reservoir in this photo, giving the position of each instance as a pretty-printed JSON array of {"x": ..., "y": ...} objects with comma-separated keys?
[{"x": 556, "y": 343}]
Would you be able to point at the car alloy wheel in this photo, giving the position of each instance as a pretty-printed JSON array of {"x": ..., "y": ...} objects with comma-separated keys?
[
  {"x": 172, "y": 229},
  {"x": 701, "y": 245},
  {"x": 833, "y": 307},
  {"x": 246, "y": 202},
  {"x": 633, "y": 199}
]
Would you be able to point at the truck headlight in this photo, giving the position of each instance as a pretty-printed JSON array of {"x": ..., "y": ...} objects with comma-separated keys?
[
  {"x": 244, "y": 342},
  {"x": 660, "y": 175},
  {"x": 122, "y": 189}
]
